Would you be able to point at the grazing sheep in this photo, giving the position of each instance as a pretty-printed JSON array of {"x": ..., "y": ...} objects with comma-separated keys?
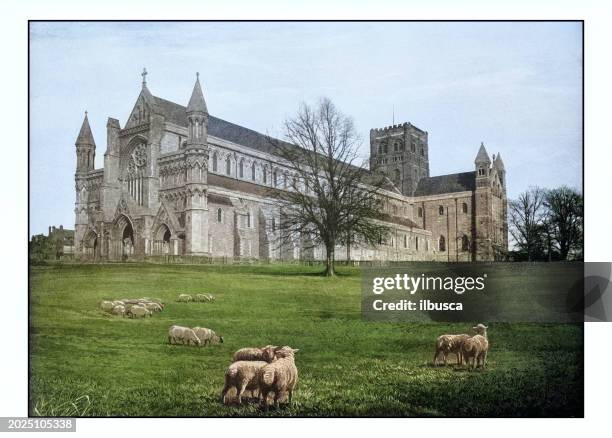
[
  {"x": 207, "y": 336},
  {"x": 265, "y": 354},
  {"x": 446, "y": 344},
  {"x": 201, "y": 298},
  {"x": 185, "y": 298},
  {"x": 117, "y": 303},
  {"x": 139, "y": 312},
  {"x": 158, "y": 301},
  {"x": 129, "y": 301},
  {"x": 476, "y": 347},
  {"x": 185, "y": 335},
  {"x": 107, "y": 306},
  {"x": 279, "y": 376},
  {"x": 242, "y": 375},
  {"x": 153, "y": 307},
  {"x": 119, "y": 310}
]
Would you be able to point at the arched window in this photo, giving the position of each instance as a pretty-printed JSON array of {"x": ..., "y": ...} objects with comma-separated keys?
[
  {"x": 420, "y": 211},
  {"x": 442, "y": 244},
  {"x": 264, "y": 172},
  {"x": 465, "y": 243},
  {"x": 273, "y": 224},
  {"x": 228, "y": 166},
  {"x": 253, "y": 172},
  {"x": 214, "y": 162},
  {"x": 396, "y": 176},
  {"x": 464, "y": 207},
  {"x": 219, "y": 215},
  {"x": 422, "y": 152},
  {"x": 241, "y": 168},
  {"x": 248, "y": 219},
  {"x": 396, "y": 147},
  {"x": 413, "y": 147},
  {"x": 416, "y": 243},
  {"x": 441, "y": 210},
  {"x": 405, "y": 241},
  {"x": 275, "y": 178}
]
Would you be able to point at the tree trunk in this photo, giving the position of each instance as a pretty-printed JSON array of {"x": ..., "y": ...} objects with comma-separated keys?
[{"x": 329, "y": 261}]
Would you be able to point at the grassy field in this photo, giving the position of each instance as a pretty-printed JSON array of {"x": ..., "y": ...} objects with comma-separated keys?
[{"x": 85, "y": 362}]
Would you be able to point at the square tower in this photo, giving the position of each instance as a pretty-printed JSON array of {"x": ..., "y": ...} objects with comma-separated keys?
[{"x": 401, "y": 153}]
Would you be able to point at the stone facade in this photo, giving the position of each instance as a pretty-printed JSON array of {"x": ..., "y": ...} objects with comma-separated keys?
[{"x": 179, "y": 181}]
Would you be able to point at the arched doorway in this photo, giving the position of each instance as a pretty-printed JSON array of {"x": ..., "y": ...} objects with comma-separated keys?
[
  {"x": 127, "y": 241},
  {"x": 90, "y": 244},
  {"x": 161, "y": 242}
]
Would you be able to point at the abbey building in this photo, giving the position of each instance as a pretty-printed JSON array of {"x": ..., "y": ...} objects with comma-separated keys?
[{"x": 178, "y": 181}]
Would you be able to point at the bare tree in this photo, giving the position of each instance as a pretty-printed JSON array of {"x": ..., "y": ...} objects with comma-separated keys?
[
  {"x": 328, "y": 199},
  {"x": 565, "y": 218},
  {"x": 526, "y": 215}
]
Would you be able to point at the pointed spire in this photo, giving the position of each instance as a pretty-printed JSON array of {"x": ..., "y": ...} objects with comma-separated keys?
[
  {"x": 197, "y": 103},
  {"x": 498, "y": 162},
  {"x": 482, "y": 156},
  {"x": 85, "y": 136}
]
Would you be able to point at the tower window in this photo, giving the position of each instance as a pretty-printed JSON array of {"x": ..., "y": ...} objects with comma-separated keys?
[
  {"x": 219, "y": 215},
  {"x": 464, "y": 207},
  {"x": 420, "y": 211},
  {"x": 441, "y": 210},
  {"x": 413, "y": 147},
  {"x": 442, "y": 244}
]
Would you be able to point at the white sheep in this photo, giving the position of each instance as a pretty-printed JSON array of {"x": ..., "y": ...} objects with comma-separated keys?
[
  {"x": 265, "y": 354},
  {"x": 107, "y": 306},
  {"x": 185, "y": 335},
  {"x": 153, "y": 307},
  {"x": 446, "y": 344},
  {"x": 138, "y": 311},
  {"x": 207, "y": 336},
  {"x": 119, "y": 310},
  {"x": 279, "y": 376},
  {"x": 476, "y": 347},
  {"x": 244, "y": 376},
  {"x": 185, "y": 298}
]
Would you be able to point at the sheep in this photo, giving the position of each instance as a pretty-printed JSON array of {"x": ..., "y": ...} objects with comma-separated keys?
[
  {"x": 119, "y": 310},
  {"x": 117, "y": 303},
  {"x": 139, "y": 311},
  {"x": 476, "y": 347},
  {"x": 184, "y": 334},
  {"x": 201, "y": 298},
  {"x": 207, "y": 336},
  {"x": 129, "y": 301},
  {"x": 185, "y": 298},
  {"x": 153, "y": 307},
  {"x": 107, "y": 306},
  {"x": 446, "y": 344},
  {"x": 244, "y": 376},
  {"x": 266, "y": 354},
  {"x": 279, "y": 376},
  {"x": 158, "y": 301}
]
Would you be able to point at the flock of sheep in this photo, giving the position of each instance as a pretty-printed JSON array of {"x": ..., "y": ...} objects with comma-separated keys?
[
  {"x": 197, "y": 336},
  {"x": 133, "y": 307},
  {"x": 467, "y": 348},
  {"x": 201, "y": 298},
  {"x": 262, "y": 371}
]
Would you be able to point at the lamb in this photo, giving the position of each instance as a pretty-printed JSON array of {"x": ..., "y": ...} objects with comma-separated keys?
[
  {"x": 207, "y": 336},
  {"x": 244, "y": 376},
  {"x": 476, "y": 347},
  {"x": 266, "y": 354},
  {"x": 119, "y": 310},
  {"x": 185, "y": 298},
  {"x": 184, "y": 334},
  {"x": 446, "y": 344},
  {"x": 139, "y": 311},
  {"x": 107, "y": 306},
  {"x": 279, "y": 376}
]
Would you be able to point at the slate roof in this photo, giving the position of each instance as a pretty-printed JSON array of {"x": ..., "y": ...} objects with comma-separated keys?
[
  {"x": 438, "y": 185},
  {"x": 176, "y": 114}
]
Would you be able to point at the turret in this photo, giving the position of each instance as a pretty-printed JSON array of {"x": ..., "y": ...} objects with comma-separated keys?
[
  {"x": 501, "y": 170},
  {"x": 85, "y": 148},
  {"x": 197, "y": 115}
]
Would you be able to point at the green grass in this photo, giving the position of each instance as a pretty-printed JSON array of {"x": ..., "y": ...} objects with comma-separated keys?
[{"x": 85, "y": 362}]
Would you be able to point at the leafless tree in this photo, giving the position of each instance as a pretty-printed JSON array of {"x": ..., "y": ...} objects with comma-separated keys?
[
  {"x": 526, "y": 215},
  {"x": 328, "y": 199}
]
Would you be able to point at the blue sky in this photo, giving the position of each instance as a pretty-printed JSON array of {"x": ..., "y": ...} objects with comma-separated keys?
[{"x": 514, "y": 86}]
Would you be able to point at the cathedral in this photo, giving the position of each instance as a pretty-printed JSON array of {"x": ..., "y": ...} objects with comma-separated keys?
[{"x": 180, "y": 183}]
